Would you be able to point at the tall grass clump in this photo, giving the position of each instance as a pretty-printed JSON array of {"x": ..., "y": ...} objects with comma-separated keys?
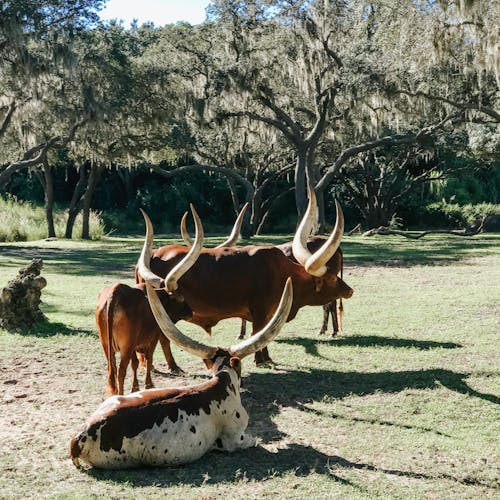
[{"x": 22, "y": 221}]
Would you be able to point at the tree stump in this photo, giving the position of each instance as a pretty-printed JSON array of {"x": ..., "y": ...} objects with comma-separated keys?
[{"x": 20, "y": 299}]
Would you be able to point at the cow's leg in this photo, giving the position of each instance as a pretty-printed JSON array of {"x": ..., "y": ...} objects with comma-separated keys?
[
  {"x": 148, "y": 382},
  {"x": 125, "y": 356},
  {"x": 112, "y": 375},
  {"x": 234, "y": 435},
  {"x": 135, "y": 364},
  {"x": 332, "y": 308},
  {"x": 262, "y": 358},
  {"x": 243, "y": 329},
  {"x": 326, "y": 315},
  {"x": 142, "y": 359},
  {"x": 167, "y": 352}
]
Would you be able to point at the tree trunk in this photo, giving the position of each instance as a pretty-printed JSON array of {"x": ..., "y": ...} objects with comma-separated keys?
[
  {"x": 320, "y": 198},
  {"x": 75, "y": 205},
  {"x": 49, "y": 199},
  {"x": 256, "y": 211},
  {"x": 300, "y": 182},
  {"x": 234, "y": 194},
  {"x": 95, "y": 173},
  {"x": 46, "y": 180}
]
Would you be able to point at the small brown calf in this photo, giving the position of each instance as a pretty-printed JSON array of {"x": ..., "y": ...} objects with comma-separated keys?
[{"x": 126, "y": 325}]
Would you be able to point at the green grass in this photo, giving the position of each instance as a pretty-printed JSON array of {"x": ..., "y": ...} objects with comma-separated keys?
[
  {"x": 405, "y": 404},
  {"x": 22, "y": 221}
]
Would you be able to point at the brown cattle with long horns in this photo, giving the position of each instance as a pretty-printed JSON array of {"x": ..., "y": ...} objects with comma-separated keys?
[
  {"x": 245, "y": 282},
  {"x": 313, "y": 243}
]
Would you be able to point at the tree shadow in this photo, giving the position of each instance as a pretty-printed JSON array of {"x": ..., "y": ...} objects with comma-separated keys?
[
  {"x": 111, "y": 260},
  {"x": 46, "y": 329},
  {"x": 311, "y": 345},
  {"x": 267, "y": 393},
  {"x": 259, "y": 464},
  {"x": 396, "y": 252}
]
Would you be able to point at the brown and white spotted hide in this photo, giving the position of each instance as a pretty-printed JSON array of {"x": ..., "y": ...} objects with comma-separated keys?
[{"x": 167, "y": 427}]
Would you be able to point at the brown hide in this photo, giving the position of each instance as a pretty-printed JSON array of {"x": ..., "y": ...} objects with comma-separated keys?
[
  {"x": 244, "y": 282},
  {"x": 126, "y": 325}
]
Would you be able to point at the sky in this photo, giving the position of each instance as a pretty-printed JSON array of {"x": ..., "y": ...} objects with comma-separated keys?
[{"x": 160, "y": 12}]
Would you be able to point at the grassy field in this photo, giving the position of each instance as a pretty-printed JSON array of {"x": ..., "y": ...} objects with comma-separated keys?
[{"x": 403, "y": 405}]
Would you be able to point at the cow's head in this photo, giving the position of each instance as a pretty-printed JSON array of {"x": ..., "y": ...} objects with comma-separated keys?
[
  {"x": 325, "y": 280},
  {"x": 176, "y": 306}
]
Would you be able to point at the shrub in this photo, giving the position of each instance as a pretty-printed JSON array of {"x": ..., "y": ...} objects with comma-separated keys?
[
  {"x": 452, "y": 215},
  {"x": 22, "y": 221}
]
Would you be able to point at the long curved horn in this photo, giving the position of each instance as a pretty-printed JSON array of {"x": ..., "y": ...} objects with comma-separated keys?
[
  {"x": 261, "y": 339},
  {"x": 145, "y": 257},
  {"x": 235, "y": 233},
  {"x": 184, "y": 232},
  {"x": 299, "y": 245},
  {"x": 231, "y": 240},
  {"x": 172, "y": 332},
  {"x": 186, "y": 263},
  {"x": 316, "y": 264}
]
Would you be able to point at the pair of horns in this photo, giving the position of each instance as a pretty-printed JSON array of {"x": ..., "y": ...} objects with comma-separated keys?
[
  {"x": 231, "y": 240},
  {"x": 252, "y": 344},
  {"x": 181, "y": 268},
  {"x": 315, "y": 264}
]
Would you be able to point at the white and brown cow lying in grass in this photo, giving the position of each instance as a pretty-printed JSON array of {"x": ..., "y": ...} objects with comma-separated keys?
[{"x": 164, "y": 427}]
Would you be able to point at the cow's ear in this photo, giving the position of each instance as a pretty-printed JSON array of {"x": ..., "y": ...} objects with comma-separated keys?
[
  {"x": 236, "y": 365},
  {"x": 208, "y": 363}
]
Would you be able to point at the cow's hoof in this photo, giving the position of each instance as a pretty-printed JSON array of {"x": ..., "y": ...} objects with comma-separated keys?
[
  {"x": 176, "y": 370},
  {"x": 265, "y": 363}
]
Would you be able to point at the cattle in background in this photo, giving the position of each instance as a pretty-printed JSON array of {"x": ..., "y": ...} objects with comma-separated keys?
[
  {"x": 335, "y": 264},
  {"x": 245, "y": 282},
  {"x": 313, "y": 244},
  {"x": 162, "y": 427},
  {"x": 127, "y": 325}
]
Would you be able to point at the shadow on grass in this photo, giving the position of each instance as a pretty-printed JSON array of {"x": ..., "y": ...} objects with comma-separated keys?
[
  {"x": 311, "y": 345},
  {"x": 45, "y": 329},
  {"x": 267, "y": 392},
  {"x": 258, "y": 464},
  {"x": 114, "y": 259},
  {"x": 90, "y": 261}
]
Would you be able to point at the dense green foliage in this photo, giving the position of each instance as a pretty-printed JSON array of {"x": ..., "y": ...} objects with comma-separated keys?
[{"x": 389, "y": 106}]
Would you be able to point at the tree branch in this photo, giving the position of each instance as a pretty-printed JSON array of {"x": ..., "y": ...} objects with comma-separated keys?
[
  {"x": 463, "y": 106},
  {"x": 8, "y": 117},
  {"x": 40, "y": 150}
]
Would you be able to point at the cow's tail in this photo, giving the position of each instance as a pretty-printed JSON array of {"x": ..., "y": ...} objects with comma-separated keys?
[
  {"x": 340, "y": 308},
  {"x": 110, "y": 309}
]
